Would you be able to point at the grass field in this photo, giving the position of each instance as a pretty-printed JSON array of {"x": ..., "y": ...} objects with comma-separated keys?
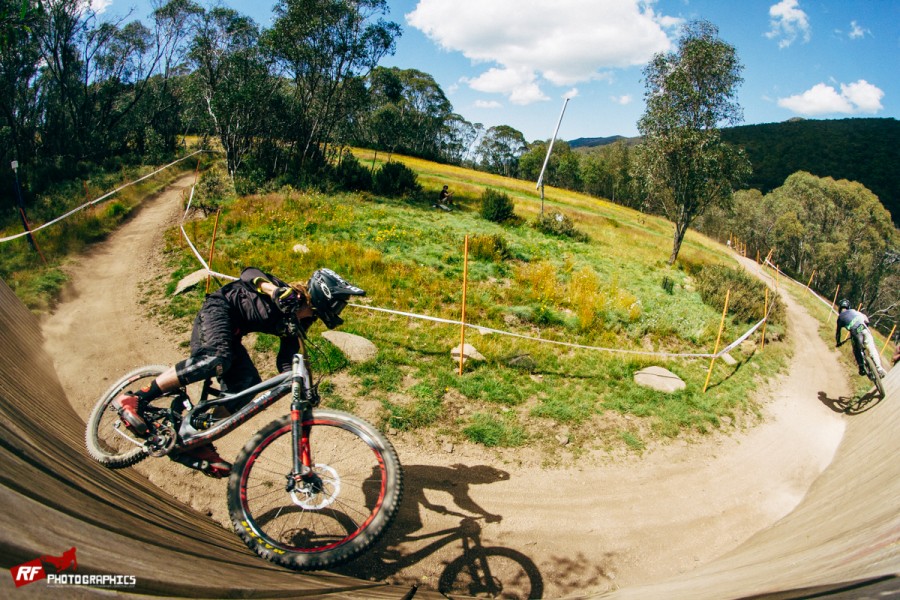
[{"x": 607, "y": 292}]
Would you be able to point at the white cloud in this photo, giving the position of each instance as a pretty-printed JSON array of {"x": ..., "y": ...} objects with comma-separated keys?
[
  {"x": 788, "y": 22},
  {"x": 526, "y": 44},
  {"x": 100, "y": 6},
  {"x": 624, "y": 99},
  {"x": 489, "y": 104},
  {"x": 857, "y": 31},
  {"x": 822, "y": 99}
]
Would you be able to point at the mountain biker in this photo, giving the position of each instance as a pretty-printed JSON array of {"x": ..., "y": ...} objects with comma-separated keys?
[
  {"x": 857, "y": 324},
  {"x": 257, "y": 302}
]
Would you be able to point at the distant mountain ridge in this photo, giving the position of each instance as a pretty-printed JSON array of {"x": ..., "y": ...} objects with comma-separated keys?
[
  {"x": 594, "y": 142},
  {"x": 860, "y": 149}
]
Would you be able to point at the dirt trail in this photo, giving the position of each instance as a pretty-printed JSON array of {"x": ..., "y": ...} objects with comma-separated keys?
[{"x": 599, "y": 525}]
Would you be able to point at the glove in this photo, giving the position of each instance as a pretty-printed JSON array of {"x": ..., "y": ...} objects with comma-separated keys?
[{"x": 286, "y": 299}]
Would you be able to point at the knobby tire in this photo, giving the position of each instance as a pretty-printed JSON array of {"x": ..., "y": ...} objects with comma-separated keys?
[
  {"x": 359, "y": 497},
  {"x": 103, "y": 443},
  {"x": 873, "y": 374}
]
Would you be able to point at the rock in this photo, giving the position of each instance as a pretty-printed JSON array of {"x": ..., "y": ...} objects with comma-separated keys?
[
  {"x": 354, "y": 347},
  {"x": 448, "y": 448},
  {"x": 563, "y": 439},
  {"x": 468, "y": 351},
  {"x": 190, "y": 281},
  {"x": 660, "y": 379},
  {"x": 729, "y": 359},
  {"x": 523, "y": 362},
  {"x": 300, "y": 249}
]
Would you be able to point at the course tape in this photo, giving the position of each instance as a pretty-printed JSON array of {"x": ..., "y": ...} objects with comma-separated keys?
[
  {"x": 96, "y": 200},
  {"x": 815, "y": 294},
  {"x": 487, "y": 330}
]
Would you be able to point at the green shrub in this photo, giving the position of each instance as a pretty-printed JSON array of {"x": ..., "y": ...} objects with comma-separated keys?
[
  {"x": 496, "y": 207},
  {"x": 395, "y": 179},
  {"x": 215, "y": 186},
  {"x": 558, "y": 224},
  {"x": 489, "y": 247},
  {"x": 351, "y": 175},
  {"x": 746, "y": 301}
]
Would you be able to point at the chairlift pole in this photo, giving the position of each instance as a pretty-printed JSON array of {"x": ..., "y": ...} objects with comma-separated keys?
[{"x": 540, "y": 181}]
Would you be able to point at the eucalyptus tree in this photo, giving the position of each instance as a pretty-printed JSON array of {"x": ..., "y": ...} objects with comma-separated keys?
[
  {"x": 234, "y": 81},
  {"x": 98, "y": 71},
  {"x": 684, "y": 165},
  {"x": 500, "y": 149},
  {"x": 163, "y": 107},
  {"x": 456, "y": 139},
  {"x": 320, "y": 46},
  {"x": 409, "y": 113},
  {"x": 19, "y": 71}
]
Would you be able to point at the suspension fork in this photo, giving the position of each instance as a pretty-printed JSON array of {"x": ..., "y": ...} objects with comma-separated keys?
[{"x": 301, "y": 410}]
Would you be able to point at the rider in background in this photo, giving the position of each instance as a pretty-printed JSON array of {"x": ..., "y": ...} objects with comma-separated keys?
[
  {"x": 257, "y": 302},
  {"x": 857, "y": 324},
  {"x": 444, "y": 197}
]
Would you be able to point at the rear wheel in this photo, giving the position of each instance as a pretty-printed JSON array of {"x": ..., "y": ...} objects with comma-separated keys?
[
  {"x": 107, "y": 438},
  {"x": 873, "y": 374},
  {"x": 349, "y": 500}
]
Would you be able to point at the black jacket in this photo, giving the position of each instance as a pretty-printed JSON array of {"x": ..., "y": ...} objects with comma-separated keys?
[{"x": 250, "y": 311}]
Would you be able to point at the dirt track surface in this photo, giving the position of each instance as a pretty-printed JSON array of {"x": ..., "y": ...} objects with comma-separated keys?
[{"x": 592, "y": 527}]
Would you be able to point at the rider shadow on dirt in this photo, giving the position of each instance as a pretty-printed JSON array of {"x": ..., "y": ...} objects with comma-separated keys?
[
  {"x": 455, "y": 556},
  {"x": 851, "y": 405}
]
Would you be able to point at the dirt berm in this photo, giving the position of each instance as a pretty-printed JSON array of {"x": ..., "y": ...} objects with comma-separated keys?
[{"x": 840, "y": 539}]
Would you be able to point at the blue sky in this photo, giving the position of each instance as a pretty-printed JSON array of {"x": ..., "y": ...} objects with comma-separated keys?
[{"x": 512, "y": 62}]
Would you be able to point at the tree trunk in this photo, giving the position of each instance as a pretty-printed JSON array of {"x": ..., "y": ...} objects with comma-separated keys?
[{"x": 680, "y": 231}]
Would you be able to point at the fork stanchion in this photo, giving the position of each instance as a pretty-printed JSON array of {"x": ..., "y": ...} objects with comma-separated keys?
[
  {"x": 462, "y": 326},
  {"x": 718, "y": 339}
]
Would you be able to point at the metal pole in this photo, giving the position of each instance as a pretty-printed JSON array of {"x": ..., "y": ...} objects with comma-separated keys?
[{"x": 540, "y": 181}]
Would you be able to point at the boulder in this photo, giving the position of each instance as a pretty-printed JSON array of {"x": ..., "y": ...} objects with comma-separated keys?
[
  {"x": 354, "y": 347},
  {"x": 468, "y": 352},
  {"x": 660, "y": 379},
  {"x": 190, "y": 281}
]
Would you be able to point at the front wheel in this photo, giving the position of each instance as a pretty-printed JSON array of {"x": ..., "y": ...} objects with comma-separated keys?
[
  {"x": 107, "y": 438},
  {"x": 874, "y": 375},
  {"x": 349, "y": 500}
]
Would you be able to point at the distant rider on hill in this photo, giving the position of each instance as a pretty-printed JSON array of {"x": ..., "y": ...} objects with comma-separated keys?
[{"x": 857, "y": 324}]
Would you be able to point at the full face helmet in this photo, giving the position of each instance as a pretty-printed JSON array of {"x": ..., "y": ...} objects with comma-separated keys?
[
  {"x": 844, "y": 304},
  {"x": 328, "y": 294}
]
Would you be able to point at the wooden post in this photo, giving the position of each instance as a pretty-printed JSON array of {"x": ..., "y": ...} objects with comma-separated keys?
[
  {"x": 810, "y": 279},
  {"x": 762, "y": 343},
  {"x": 462, "y": 327},
  {"x": 212, "y": 248},
  {"x": 836, "y": 292},
  {"x": 718, "y": 338},
  {"x": 888, "y": 340}
]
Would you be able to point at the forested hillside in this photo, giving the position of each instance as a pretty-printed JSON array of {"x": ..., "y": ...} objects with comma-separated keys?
[{"x": 862, "y": 150}]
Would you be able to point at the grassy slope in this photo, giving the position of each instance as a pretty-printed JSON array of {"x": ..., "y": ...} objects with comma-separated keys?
[{"x": 606, "y": 292}]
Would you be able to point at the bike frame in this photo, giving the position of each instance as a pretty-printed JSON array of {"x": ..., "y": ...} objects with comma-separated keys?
[{"x": 297, "y": 382}]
